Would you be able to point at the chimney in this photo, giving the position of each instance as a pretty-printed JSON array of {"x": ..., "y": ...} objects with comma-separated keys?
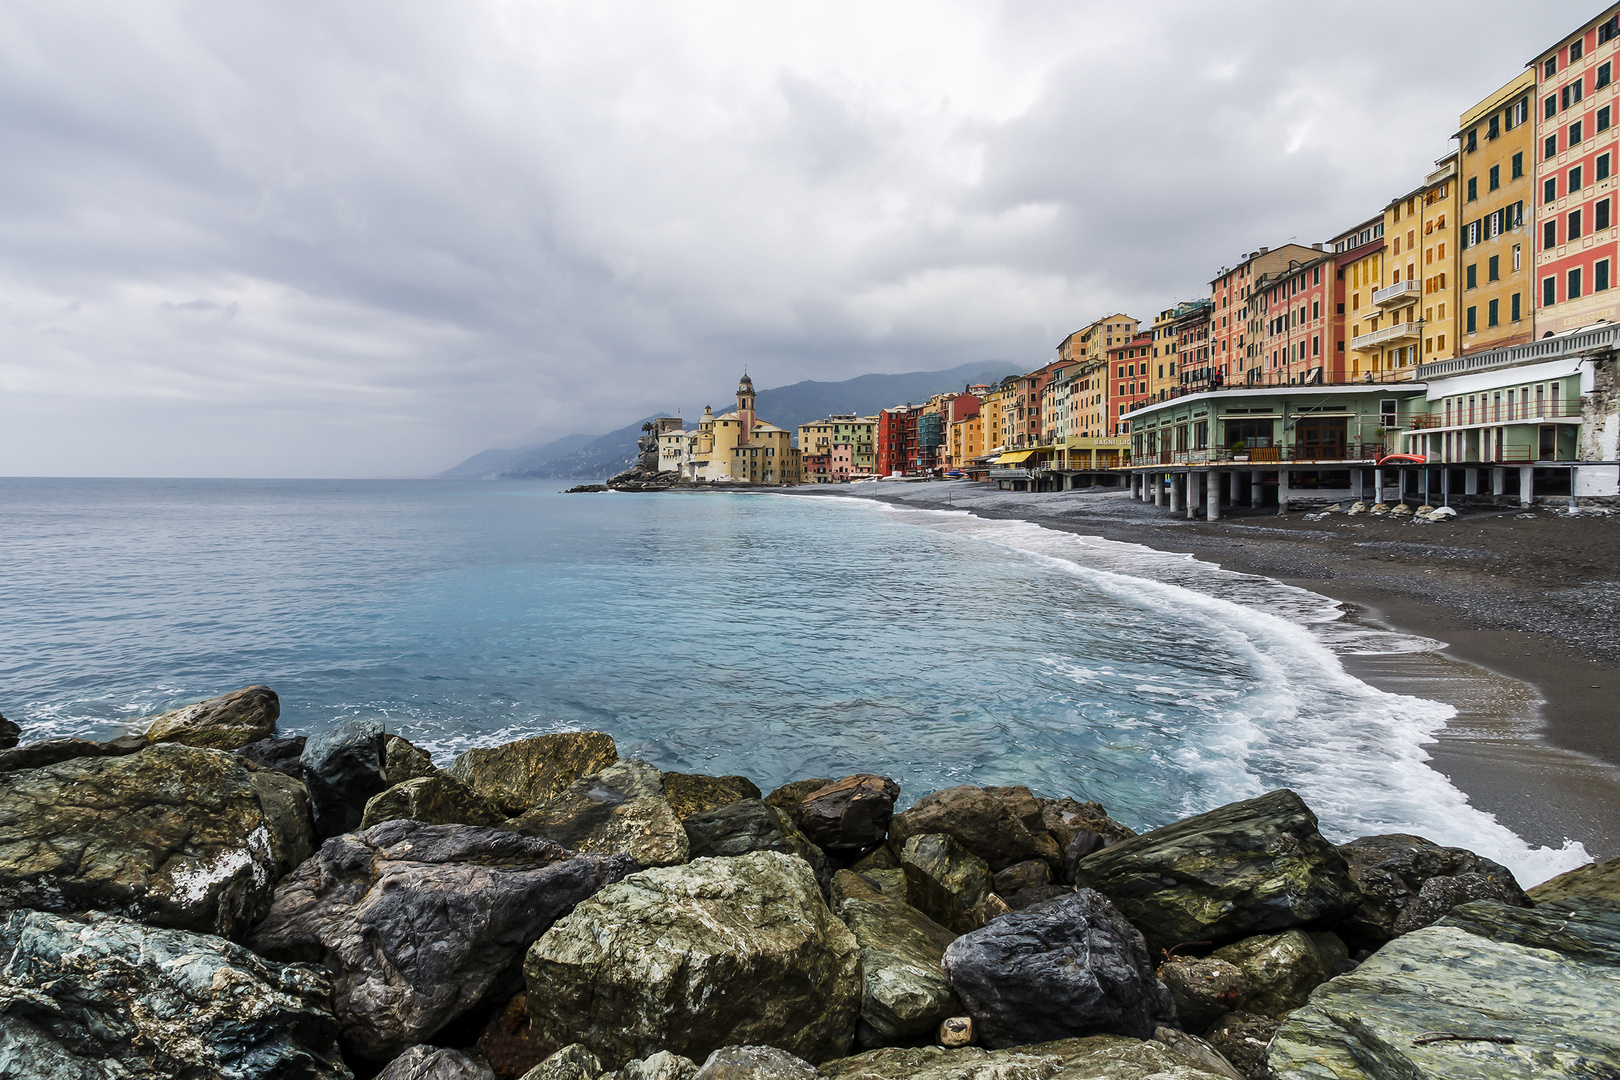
[
  {"x": 1317, "y": 245},
  {"x": 1264, "y": 250}
]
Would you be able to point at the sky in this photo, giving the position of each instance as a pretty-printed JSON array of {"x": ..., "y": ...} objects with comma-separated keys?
[{"x": 373, "y": 237}]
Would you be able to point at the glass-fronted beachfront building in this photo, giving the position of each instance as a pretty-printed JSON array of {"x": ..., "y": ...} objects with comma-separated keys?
[{"x": 1539, "y": 420}]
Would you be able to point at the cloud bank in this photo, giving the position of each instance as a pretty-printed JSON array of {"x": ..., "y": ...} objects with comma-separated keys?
[{"x": 370, "y": 238}]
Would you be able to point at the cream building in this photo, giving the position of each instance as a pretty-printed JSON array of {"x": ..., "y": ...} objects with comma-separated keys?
[{"x": 733, "y": 448}]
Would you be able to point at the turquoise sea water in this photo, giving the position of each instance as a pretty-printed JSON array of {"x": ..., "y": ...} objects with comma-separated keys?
[{"x": 769, "y": 635}]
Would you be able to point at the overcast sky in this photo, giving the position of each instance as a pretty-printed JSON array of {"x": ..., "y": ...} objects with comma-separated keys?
[{"x": 371, "y": 238}]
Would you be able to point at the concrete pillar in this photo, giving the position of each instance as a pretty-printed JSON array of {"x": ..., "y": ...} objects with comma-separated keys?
[
  {"x": 1355, "y": 484},
  {"x": 1423, "y": 486},
  {"x": 1178, "y": 491},
  {"x": 1471, "y": 481},
  {"x": 1527, "y": 484},
  {"x": 1212, "y": 509},
  {"x": 1282, "y": 491},
  {"x": 1233, "y": 497},
  {"x": 1251, "y": 478},
  {"x": 1498, "y": 481},
  {"x": 1195, "y": 484},
  {"x": 1158, "y": 489},
  {"x": 1378, "y": 485}
]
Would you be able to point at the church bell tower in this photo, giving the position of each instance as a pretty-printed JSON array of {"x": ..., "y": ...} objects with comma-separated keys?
[{"x": 745, "y": 409}]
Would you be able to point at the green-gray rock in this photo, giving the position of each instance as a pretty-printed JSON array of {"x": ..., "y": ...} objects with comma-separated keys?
[
  {"x": 847, "y": 883},
  {"x": 1407, "y": 883},
  {"x": 691, "y": 958},
  {"x": 402, "y": 761},
  {"x": 660, "y": 1066},
  {"x": 434, "y": 800},
  {"x": 618, "y": 811},
  {"x": 519, "y": 776},
  {"x": 285, "y": 803},
  {"x": 944, "y": 880},
  {"x": 1242, "y": 1038},
  {"x": 1247, "y": 868},
  {"x": 227, "y": 722},
  {"x": 1203, "y": 988},
  {"x": 1098, "y": 1057},
  {"x": 173, "y": 836},
  {"x": 755, "y": 1063},
  {"x": 1594, "y": 879},
  {"x": 572, "y": 1062},
  {"x": 904, "y": 992},
  {"x": 752, "y": 825},
  {"x": 694, "y": 793},
  {"x": 97, "y": 997},
  {"x": 1001, "y": 825},
  {"x": 1546, "y": 978},
  {"x": 1281, "y": 970}
]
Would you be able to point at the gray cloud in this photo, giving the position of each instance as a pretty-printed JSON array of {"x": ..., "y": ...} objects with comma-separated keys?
[{"x": 371, "y": 238}]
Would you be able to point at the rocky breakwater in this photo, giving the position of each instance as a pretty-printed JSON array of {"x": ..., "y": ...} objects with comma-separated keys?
[{"x": 543, "y": 910}]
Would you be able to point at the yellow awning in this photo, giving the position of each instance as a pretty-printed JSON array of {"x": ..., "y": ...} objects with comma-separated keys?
[{"x": 1014, "y": 458}]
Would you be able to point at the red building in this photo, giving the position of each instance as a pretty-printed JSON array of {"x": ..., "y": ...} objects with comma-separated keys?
[
  {"x": 1127, "y": 384},
  {"x": 1576, "y": 158},
  {"x": 891, "y": 440},
  {"x": 1300, "y": 310}
]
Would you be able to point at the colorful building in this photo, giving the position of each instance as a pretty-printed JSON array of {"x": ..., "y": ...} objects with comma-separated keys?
[
  {"x": 1299, "y": 338},
  {"x": 734, "y": 447},
  {"x": 1126, "y": 378},
  {"x": 1380, "y": 348},
  {"x": 1497, "y": 151},
  {"x": 838, "y": 449},
  {"x": 1576, "y": 157},
  {"x": 1439, "y": 248}
]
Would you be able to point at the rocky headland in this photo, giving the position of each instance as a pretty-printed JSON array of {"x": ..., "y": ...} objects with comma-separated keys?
[{"x": 205, "y": 897}]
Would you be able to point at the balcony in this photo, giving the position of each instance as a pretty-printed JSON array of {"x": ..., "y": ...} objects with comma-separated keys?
[
  {"x": 1403, "y": 331},
  {"x": 1402, "y": 292}
]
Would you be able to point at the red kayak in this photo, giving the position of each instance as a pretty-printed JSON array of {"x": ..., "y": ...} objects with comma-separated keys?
[{"x": 1403, "y": 459}]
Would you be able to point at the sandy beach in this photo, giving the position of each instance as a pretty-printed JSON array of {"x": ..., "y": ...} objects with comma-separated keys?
[{"x": 1524, "y": 604}]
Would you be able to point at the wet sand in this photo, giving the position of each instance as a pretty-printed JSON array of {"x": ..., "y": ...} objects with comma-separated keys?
[{"x": 1527, "y": 608}]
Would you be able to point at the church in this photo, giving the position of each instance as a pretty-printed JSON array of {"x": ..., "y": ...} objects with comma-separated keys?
[{"x": 732, "y": 448}]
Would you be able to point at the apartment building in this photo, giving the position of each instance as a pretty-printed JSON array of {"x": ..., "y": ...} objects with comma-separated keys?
[
  {"x": 1299, "y": 335},
  {"x": 1575, "y": 190},
  {"x": 1127, "y": 379},
  {"x": 1379, "y": 347},
  {"x": 1493, "y": 238}
]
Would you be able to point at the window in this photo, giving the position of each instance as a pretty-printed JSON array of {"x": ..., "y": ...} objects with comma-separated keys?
[
  {"x": 1550, "y": 68},
  {"x": 1472, "y": 328},
  {"x": 1514, "y": 305},
  {"x": 1575, "y": 49},
  {"x": 1575, "y": 133},
  {"x": 1547, "y": 298},
  {"x": 1549, "y": 189},
  {"x": 1316, "y": 309},
  {"x": 1575, "y": 179},
  {"x": 1574, "y": 231},
  {"x": 1518, "y": 165},
  {"x": 1473, "y": 276},
  {"x": 1473, "y": 188},
  {"x": 1496, "y": 177},
  {"x": 1600, "y": 275},
  {"x": 1603, "y": 167},
  {"x": 1600, "y": 215},
  {"x": 1609, "y": 30},
  {"x": 1549, "y": 108},
  {"x": 1473, "y": 140},
  {"x": 1549, "y": 147},
  {"x": 1516, "y": 259},
  {"x": 1604, "y": 75},
  {"x": 1493, "y": 271},
  {"x": 1603, "y": 120},
  {"x": 1519, "y": 113},
  {"x": 1491, "y": 312},
  {"x": 1494, "y": 129},
  {"x": 1572, "y": 288}
]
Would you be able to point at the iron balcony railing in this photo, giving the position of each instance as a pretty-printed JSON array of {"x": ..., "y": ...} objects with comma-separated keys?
[
  {"x": 1518, "y": 413},
  {"x": 1261, "y": 455},
  {"x": 1554, "y": 348}
]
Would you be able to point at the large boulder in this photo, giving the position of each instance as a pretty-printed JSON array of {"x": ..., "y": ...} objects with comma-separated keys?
[
  {"x": 618, "y": 811},
  {"x": 572, "y": 1062},
  {"x": 1491, "y": 991},
  {"x": 691, "y": 958},
  {"x": 1281, "y": 970},
  {"x": 944, "y": 880},
  {"x": 435, "y": 1063},
  {"x": 221, "y": 723},
  {"x": 104, "y": 996},
  {"x": 174, "y": 836},
  {"x": 752, "y": 825},
  {"x": 1099, "y": 1057},
  {"x": 419, "y": 924},
  {"x": 432, "y": 800},
  {"x": 520, "y": 776},
  {"x": 1601, "y": 879},
  {"x": 37, "y": 755},
  {"x": 1002, "y": 826},
  {"x": 789, "y": 795},
  {"x": 755, "y": 1063},
  {"x": 850, "y": 815},
  {"x": 660, "y": 1066},
  {"x": 288, "y": 820},
  {"x": 402, "y": 761},
  {"x": 343, "y": 769},
  {"x": 1247, "y": 868},
  {"x": 689, "y": 794},
  {"x": 9, "y": 733},
  {"x": 282, "y": 753},
  {"x": 904, "y": 992},
  {"x": 1407, "y": 883},
  {"x": 1065, "y": 968}
]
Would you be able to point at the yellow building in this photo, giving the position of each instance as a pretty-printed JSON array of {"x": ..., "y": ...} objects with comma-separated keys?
[
  {"x": 1162, "y": 377},
  {"x": 838, "y": 448},
  {"x": 738, "y": 447},
  {"x": 1497, "y": 142},
  {"x": 965, "y": 440},
  {"x": 1089, "y": 347},
  {"x": 1361, "y": 254},
  {"x": 1437, "y": 246}
]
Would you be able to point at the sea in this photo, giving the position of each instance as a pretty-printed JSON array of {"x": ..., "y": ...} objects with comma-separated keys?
[{"x": 772, "y": 635}]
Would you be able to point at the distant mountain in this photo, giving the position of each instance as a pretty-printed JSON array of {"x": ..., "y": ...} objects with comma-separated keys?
[{"x": 593, "y": 458}]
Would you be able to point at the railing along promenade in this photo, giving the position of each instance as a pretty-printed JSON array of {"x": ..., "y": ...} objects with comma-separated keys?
[{"x": 1261, "y": 455}]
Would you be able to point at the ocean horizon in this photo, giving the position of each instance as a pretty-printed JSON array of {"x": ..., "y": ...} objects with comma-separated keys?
[{"x": 770, "y": 635}]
